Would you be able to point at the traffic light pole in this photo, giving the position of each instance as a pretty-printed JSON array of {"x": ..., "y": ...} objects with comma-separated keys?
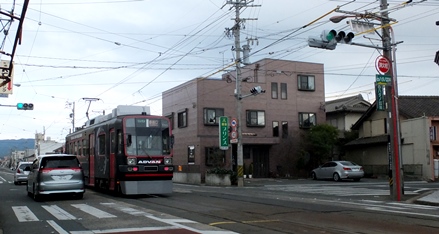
[
  {"x": 395, "y": 159},
  {"x": 396, "y": 177}
]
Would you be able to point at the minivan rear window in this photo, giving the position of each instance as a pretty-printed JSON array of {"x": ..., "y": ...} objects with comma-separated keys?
[{"x": 60, "y": 162}]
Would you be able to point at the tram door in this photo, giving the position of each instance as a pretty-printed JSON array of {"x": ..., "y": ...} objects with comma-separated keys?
[
  {"x": 112, "y": 159},
  {"x": 91, "y": 162}
]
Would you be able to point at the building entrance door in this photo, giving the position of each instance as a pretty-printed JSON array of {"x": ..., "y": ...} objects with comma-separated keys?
[{"x": 261, "y": 167}]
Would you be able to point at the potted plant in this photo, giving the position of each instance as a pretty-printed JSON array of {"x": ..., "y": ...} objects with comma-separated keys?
[{"x": 250, "y": 170}]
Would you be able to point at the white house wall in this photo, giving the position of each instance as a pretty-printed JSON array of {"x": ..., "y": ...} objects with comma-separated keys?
[
  {"x": 416, "y": 145},
  {"x": 350, "y": 119}
]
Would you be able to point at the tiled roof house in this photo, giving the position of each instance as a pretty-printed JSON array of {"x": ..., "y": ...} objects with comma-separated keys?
[{"x": 419, "y": 120}]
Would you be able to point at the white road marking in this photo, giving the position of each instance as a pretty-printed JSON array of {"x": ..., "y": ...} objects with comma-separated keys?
[
  {"x": 24, "y": 214},
  {"x": 59, "y": 213},
  {"x": 93, "y": 211},
  {"x": 401, "y": 212},
  {"x": 125, "y": 209},
  {"x": 57, "y": 228},
  {"x": 122, "y": 230}
]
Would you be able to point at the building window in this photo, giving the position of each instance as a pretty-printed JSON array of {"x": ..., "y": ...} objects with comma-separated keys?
[
  {"x": 215, "y": 156},
  {"x": 255, "y": 118},
  {"x": 211, "y": 115},
  {"x": 306, "y": 82},
  {"x": 284, "y": 129},
  {"x": 274, "y": 90},
  {"x": 283, "y": 90},
  {"x": 307, "y": 120},
  {"x": 275, "y": 128},
  {"x": 182, "y": 119}
]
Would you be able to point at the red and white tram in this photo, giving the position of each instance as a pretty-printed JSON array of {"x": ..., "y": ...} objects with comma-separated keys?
[{"x": 127, "y": 151}]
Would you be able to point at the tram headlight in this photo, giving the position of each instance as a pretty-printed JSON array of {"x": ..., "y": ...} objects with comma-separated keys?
[
  {"x": 168, "y": 161},
  {"x": 131, "y": 161}
]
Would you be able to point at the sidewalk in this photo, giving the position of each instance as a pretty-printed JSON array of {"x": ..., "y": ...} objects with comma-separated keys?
[{"x": 431, "y": 198}]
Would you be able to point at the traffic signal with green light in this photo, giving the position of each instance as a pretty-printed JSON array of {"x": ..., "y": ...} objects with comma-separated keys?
[
  {"x": 329, "y": 38},
  {"x": 25, "y": 106}
]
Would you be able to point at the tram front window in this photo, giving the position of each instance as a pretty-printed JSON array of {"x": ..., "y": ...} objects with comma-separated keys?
[{"x": 147, "y": 138}]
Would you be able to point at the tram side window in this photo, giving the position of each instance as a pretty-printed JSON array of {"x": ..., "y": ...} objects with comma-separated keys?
[
  {"x": 101, "y": 144},
  {"x": 76, "y": 148},
  {"x": 166, "y": 143},
  {"x": 119, "y": 142},
  {"x": 69, "y": 149},
  {"x": 84, "y": 147}
]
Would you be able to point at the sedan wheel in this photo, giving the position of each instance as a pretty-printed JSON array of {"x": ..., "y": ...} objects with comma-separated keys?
[
  {"x": 314, "y": 176},
  {"x": 336, "y": 177}
]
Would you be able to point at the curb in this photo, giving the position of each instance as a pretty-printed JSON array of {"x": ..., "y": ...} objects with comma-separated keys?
[{"x": 417, "y": 202}]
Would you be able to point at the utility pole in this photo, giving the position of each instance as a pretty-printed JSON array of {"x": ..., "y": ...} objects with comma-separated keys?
[
  {"x": 72, "y": 115},
  {"x": 238, "y": 5},
  {"x": 395, "y": 159}
]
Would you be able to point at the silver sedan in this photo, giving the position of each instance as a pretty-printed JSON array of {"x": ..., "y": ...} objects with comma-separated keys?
[{"x": 338, "y": 170}]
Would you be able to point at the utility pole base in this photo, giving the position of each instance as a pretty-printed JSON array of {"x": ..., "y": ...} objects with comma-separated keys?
[{"x": 240, "y": 182}]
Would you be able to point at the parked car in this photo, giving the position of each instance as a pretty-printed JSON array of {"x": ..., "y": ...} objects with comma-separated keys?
[
  {"x": 21, "y": 172},
  {"x": 55, "y": 174},
  {"x": 338, "y": 170}
]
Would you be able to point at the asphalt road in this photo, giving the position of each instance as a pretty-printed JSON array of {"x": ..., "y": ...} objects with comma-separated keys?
[{"x": 262, "y": 206}]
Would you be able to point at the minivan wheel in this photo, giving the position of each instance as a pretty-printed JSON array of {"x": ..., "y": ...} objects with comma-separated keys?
[
  {"x": 79, "y": 196},
  {"x": 35, "y": 196},
  {"x": 336, "y": 177}
]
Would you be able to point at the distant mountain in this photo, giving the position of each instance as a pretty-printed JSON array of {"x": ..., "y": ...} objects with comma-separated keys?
[{"x": 7, "y": 146}]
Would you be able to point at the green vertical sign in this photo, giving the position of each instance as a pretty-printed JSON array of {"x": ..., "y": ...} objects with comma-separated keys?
[
  {"x": 379, "y": 97},
  {"x": 224, "y": 132}
]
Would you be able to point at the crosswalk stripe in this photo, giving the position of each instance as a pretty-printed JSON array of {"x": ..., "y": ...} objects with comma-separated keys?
[
  {"x": 24, "y": 214},
  {"x": 59, "y": 213},
  {"x": 125, "y": 209},
  {"x": 93, "y": 211}
]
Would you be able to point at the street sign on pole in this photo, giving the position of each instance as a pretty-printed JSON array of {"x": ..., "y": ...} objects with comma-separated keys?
[
  {"x": 234, "y": 132},
  {"x": 382, "y": 65},
  {"x": 224, "y": 132},
  {"x": 4, "y": 66},
  {"x": 383, "y": 79},
  {"x": 379, "y": 96}
]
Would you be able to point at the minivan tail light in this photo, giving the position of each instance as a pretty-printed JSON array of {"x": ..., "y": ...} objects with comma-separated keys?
[
  {"x": 45, "y": 170},
  {"x": 18, "y": 170}
]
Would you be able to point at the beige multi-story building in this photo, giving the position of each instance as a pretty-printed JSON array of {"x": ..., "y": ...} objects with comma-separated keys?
[{"x": 272, "y": 122}]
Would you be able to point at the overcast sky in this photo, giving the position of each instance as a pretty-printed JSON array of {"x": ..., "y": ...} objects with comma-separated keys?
[{"x": 127, "y": 52}]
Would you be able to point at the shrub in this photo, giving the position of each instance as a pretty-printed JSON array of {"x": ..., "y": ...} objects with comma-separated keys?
[{"x": 220, "y": 171}]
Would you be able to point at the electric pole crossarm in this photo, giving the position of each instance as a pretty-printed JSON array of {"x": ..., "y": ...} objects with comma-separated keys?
[{"x": 369, "y": 46}]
